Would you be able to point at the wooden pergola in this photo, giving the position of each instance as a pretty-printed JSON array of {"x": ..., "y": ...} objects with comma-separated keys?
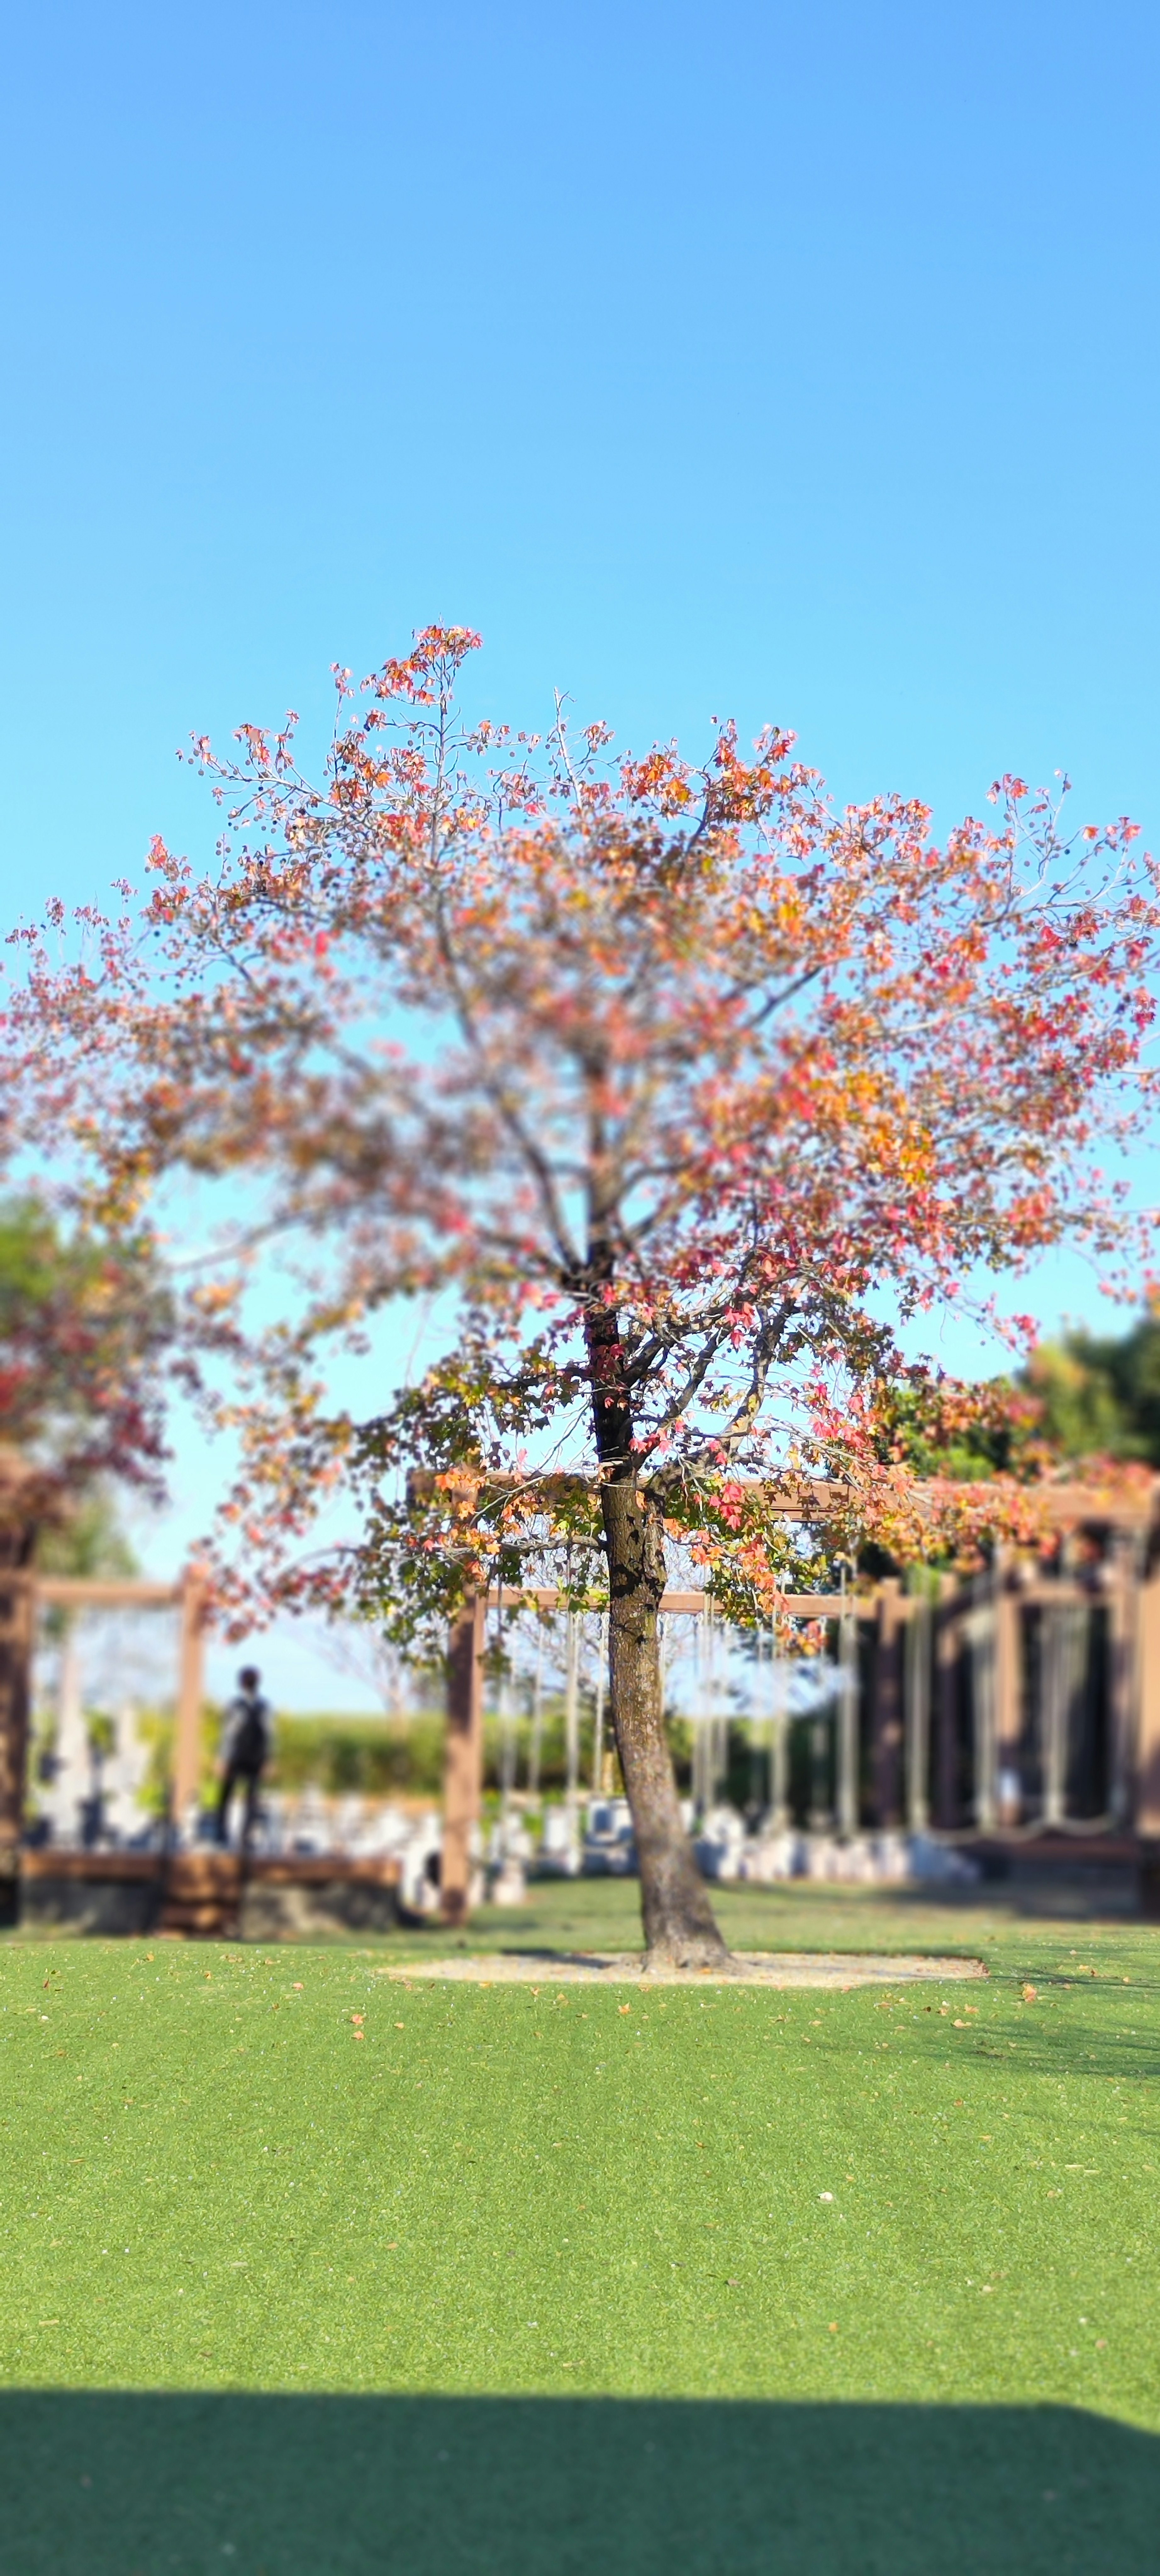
[
  {"x": 1131, "y": 1594},
  {"x": 23, "y": 1593},
  {"x": 1129, "y": 1591}
]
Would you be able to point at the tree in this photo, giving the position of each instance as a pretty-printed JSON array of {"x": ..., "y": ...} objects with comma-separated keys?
[
  {"x": 90, "y": 1545},
  {"x": 1099, "y": 1394},
  {"x": 84, "y": 1323},
  {"x": 708, "y": 1085},
  {"x": 85, "y": 1319}
]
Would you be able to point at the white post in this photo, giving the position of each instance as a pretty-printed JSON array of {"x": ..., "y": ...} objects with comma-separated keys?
[
  {"x": 698, "y": 1720},
  {"x": 572, "y": 1720},
  {"x": 712, "y": 1723},
  {"x": 537, "y": 1715},
  {"x": 1054, "y": 1663},
  {"x": 507, "y": 1750},
  {"x": 601, "y": 1672},
  {"x": 72, "y": 1779},
  {"x": 778, "y": 1726},
  {"x": 755, "y": 1732},
  {"x": 721, "y": 1711}
]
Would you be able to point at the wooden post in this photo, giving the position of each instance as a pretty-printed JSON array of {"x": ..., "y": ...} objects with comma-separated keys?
[
  {"x": 917, "y": 1713},
  {"x": 847, "y": 1724},
  {"x": 463, "y": 1760},
  {"x": 1123, "y": 1644},
  {"x": 1008, "y": 1696},
  {"x": 948, "y": 1654},
  {"x": 978, "y": 1629},
  {"x": 23, "y": 1506},
  {"x": 1148, "y": 1741},
  {"x": 17, "y": 1614},
  {"x": 1148, "y": 1707},
  {"x": 888, "y": 1705},
  {"x": 190, "y": 1692}
]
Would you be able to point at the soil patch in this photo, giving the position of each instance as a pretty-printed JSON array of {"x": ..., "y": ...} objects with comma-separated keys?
[{"x": 746, "y": 1968}]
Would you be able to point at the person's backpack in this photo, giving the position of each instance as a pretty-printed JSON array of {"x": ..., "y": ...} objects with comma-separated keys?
[{"x": 249, "y": 1748}]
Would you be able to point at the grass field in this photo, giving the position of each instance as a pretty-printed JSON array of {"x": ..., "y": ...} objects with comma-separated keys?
[{"x": 307, "y": 2269}]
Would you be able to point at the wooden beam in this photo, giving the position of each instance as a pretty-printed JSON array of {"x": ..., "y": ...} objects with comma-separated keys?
[
  {"x": 1065, "y": 1506},
  {"x": 1052, "y": 1596},
  {"x": 1069, "y": 1506},
  {"x": 802, "y": 1496},
  {"x": 692, "y": 1605},
  {"x": 463, "y": 1755},
  {"x": 78, "y": 1592},
  {"x": 550, "y": 1597}
]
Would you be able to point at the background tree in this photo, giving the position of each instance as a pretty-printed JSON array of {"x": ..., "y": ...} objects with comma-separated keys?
[
  {"x": 1099, "y": 1394},
  {"x": 85, "y": 1319},
  {"x": 85, "y": 1322},
  {"x": 707, "y": 1080}
]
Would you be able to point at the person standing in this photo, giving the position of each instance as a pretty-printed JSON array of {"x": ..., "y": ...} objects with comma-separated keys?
[{"x": 246, "y": 1745}]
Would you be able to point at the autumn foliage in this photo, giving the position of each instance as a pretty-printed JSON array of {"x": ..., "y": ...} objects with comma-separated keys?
[{"x": 680, "y": 1089}]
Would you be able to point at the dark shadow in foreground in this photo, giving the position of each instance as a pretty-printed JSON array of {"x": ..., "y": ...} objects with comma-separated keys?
[{"x": 122, "y": 2485}]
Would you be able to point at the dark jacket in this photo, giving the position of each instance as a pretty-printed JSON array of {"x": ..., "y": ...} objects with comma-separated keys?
[{"x": 248, "y": 1735}]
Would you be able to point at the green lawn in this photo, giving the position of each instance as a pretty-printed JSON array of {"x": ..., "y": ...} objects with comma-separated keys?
[{"x": 276, "y": 2297}]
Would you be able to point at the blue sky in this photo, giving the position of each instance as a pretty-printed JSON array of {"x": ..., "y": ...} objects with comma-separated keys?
[{"x": 795, "y": 362}]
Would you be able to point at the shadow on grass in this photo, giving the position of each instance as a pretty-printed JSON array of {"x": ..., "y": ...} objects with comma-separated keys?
[{"x": 335, "y": 2486}]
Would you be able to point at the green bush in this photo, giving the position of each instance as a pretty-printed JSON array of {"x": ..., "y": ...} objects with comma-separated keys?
[{"x": 369, "y": 1757}]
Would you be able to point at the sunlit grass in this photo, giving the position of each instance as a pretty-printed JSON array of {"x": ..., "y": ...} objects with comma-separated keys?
[{"x": 282, "y": 2169}]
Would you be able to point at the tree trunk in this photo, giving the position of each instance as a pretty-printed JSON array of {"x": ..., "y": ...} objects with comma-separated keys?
[{"x": 679, "y": 1929}]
